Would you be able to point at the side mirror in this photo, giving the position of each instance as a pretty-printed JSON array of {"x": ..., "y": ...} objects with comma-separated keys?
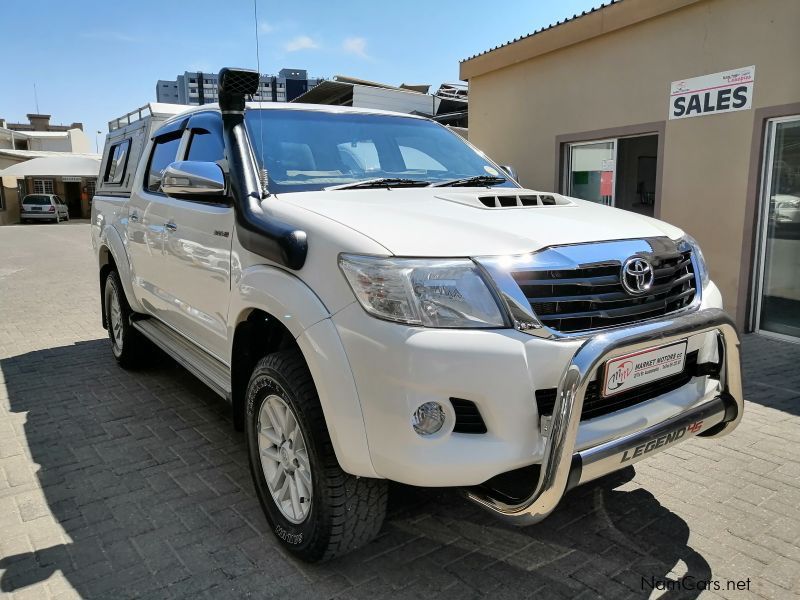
[
  {"x": 510, "y": 171},
  {"x": 195, "y": 180}
]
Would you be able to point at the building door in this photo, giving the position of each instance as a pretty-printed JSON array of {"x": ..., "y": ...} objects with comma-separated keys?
[
  {"x": 778, "y": 287},
  {"x": 72, "y": 196},
  {"x": 618, "y": 172}
]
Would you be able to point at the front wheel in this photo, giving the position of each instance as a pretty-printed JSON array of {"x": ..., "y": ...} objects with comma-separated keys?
[{"x": 316, "y": 510}]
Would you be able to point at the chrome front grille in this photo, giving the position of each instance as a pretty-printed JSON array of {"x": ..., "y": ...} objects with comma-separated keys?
[{"x": 591, "y": 296}]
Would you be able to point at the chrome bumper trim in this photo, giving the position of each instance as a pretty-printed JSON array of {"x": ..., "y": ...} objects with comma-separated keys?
[
  {"x": 617, "y": 454},
  {"x": 561, "y": 467}
]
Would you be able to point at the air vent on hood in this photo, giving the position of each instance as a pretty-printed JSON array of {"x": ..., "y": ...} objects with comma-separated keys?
[
  {"x": 524, "y": 199},
  {"x": 516, "y": 201}
]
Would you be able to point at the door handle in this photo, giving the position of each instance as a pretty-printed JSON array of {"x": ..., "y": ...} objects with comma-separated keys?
[
  {"x": 170, "y": 226},
  {"x": 134, "y": 216}
]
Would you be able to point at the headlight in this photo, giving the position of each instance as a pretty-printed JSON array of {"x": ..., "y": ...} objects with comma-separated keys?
[
  {"x": 699, "y": 259},
  {"x": 427, "y": 292}
]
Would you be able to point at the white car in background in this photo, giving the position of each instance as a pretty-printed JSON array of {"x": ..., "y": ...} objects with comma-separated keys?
[
  {"x": 786, "y": 208},
  {"x": 44, "y": 207}
]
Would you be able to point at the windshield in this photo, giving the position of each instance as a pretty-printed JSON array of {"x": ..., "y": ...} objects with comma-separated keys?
[{"x": 305, "y": 150}]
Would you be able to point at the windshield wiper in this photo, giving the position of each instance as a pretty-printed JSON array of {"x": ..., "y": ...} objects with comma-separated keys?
[
  {"x": 380, "y": 182},
  {"x": 477, "y": 180}
]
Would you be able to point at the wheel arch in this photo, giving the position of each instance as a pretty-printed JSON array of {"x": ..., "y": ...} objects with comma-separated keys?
[
  {"x": 107, "y": 264},
  {"x": 257, "y": 333},
  {"x": 271, "y": 310},
  {"x": 112, "y": 255}
]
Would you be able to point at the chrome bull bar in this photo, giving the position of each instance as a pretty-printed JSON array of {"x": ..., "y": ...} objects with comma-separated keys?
[{"x": 563, "y": 467}]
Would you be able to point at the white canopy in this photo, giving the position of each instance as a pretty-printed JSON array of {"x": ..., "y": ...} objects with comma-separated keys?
[{"x": 55, "y": 166}]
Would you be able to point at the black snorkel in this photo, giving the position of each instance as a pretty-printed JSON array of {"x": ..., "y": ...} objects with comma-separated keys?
[{"x": 257, "y": 232}]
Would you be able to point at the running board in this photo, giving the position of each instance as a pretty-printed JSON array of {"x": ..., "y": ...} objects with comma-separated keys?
[{"x": 199, "y": 363}]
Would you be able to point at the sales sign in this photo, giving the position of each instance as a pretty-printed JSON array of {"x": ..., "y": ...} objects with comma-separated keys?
[{"x": 709, "y": 94}]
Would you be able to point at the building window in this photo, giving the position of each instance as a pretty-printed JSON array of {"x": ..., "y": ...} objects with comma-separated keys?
[
  {"x": 2, "y": 197},
  {"x": 620, "y": 172},
  {"x": 90, "y": 188},
  {"x": 43, "y": 186}
]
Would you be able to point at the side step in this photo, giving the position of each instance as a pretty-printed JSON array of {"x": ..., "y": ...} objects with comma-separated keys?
[{"x": 199, "y": 363}]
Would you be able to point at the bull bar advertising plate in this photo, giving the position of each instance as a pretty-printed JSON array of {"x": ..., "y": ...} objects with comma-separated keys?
[{"x": 632, "y": 370}]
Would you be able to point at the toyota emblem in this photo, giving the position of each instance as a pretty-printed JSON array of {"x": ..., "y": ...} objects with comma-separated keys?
[{"x": 637, "y": 275}]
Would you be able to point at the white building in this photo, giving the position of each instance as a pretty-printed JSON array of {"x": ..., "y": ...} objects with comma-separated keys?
[{"x": 73, "y": 179}]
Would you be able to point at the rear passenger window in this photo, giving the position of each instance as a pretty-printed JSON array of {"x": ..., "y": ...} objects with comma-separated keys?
[
  {"x": 205, "y": 147},
  {"x": 117, "y": 161},
  {"x": 164, "y": 152}
]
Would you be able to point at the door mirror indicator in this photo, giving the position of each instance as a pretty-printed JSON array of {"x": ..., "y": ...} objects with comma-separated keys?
[{"x": 194, "y": 180}]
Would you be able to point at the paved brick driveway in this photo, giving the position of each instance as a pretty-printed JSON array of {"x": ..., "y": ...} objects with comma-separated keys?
[{"x": 114, "y": 484}]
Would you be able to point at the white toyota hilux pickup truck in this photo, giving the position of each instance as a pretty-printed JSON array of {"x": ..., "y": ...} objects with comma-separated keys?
[{"x": 379, "y": 301}]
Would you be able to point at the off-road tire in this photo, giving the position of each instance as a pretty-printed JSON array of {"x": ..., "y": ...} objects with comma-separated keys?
[
  {"x": 346, "y": 511},
  {"x": 133, "y": 349}
]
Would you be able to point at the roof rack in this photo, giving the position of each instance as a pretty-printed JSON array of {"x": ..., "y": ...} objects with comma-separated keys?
[{"x": 148, "y": 110}]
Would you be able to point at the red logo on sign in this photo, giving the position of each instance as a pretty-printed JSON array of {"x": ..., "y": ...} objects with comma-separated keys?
[
  {"x": 695, "y": 427},
  {"x": 618, "y": 377}
]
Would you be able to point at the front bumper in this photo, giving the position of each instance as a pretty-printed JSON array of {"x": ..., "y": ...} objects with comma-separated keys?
[
  {"x": 396, "y": 368},
  {"x": 564, "y": 467}
]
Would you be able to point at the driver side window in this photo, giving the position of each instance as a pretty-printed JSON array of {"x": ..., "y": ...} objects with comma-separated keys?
[
  {"x": 205, "y": 146},
  {"x": 164, "y": 152}
]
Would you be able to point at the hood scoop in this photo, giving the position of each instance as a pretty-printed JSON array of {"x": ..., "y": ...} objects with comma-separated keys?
[{"x": 517, "y": 199}]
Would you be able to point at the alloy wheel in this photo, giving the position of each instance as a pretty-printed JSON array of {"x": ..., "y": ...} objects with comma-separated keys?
[
  {"x": 284, "y": 459},
  {"x": 115, "y": 320}
]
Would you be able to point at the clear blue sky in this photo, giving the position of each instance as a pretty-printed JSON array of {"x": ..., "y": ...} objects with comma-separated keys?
[{"x": 93, "y": 61}]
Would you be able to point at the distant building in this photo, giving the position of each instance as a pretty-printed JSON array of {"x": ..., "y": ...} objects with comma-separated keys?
[
  {"x": 197, "y": 88},
  {"x": 39, "y": 139},
  {"x": 39, "y": 134},
  {"x": 448, "y": 104}
]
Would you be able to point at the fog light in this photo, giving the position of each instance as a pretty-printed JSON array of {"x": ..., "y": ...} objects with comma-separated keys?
[{"x": 428, "y": 418}]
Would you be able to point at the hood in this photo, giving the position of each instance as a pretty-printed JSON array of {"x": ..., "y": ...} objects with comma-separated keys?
[{"x": 469, "y": 222}]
